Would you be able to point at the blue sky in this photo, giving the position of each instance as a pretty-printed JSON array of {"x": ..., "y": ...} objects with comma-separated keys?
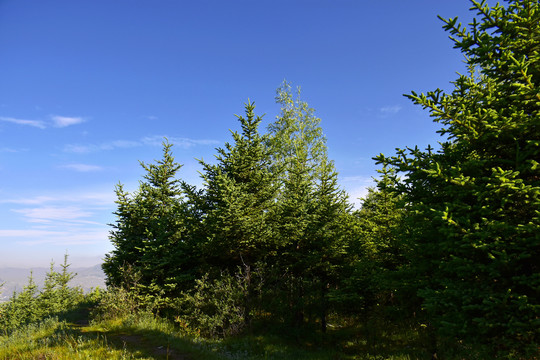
[{"x": 89, "y": 88}]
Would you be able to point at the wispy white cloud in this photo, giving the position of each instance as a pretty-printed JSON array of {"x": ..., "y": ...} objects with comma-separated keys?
[
  {"x": 362, "y": 179},
  {"x": 80, "y": 149},
  {"x": 185, "y": 143},
  {"x": 28, "y": 201},
  {"x": 88, "y": 199},
  {"x": 56, "y": 121},
  {"x": 52, "y": 237},
  {"x": 30, "y": 233},
  {"x": 8, "y": 150},
  {"x": 90, "y": 148},
  {"x": 63, "y": 121},
  {"x": 48, "y": 223},
  {"x": 390, "y": 110},
  {"x": 71, "y": 238},
  {"x": 83, "y": 167},
  {"x": 121, "y": 144},
  {"x": 155, "y": 140},
  {"x": 99, "y": 199},
  {"x": 48, "y": 214},
  {"x": 182, "y": 142},
  {"x": 34, "y": 123}
]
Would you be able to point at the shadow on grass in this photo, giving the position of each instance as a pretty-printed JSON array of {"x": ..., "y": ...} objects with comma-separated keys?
[
  {"x": 365, "y": 341},
  {"x": 143, "y": 343},
  {"x": 135, "y": 342},
  {"x": 267, "y": 340}
]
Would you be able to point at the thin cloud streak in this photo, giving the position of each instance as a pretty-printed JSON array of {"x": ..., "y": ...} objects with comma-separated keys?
[
  {"x": 8, "y": 150},
  {"x": 29, "y": 233},
  {"x": 63, "y": 121},
  {"x": 57, "y": 121},
  {"x": 182, "y": 142},
  {"x": 62, "y": 238},
  {"x": 34, "y": 123},
  {"x": 390, "y": 110},
  {"x": 54, "y": 213},
  {"x": 85, "y": 149},
  {"x": 67, "y": 219},
  {"x": 89, "y": 199},
  {"x": 83, "y": 167},
  {"x": 28, "y": 201},
  {"x": 358, "y": 179},
  {"x": 155, "y": 140}
]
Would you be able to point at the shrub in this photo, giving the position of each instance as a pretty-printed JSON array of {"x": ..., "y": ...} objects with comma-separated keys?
[{"x": 215, "y": 307}]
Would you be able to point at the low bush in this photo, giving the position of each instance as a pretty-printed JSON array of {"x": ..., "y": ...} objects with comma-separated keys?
[{"x": 215, "y": 308}]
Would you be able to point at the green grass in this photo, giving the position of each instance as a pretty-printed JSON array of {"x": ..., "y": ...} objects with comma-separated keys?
[
  {"x": 143, "y": 336},
  {"x": 136, "y": 338},
  {"x": 54, "y": 339}
]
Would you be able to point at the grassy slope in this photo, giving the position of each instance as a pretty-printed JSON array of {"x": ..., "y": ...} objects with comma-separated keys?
[
  {"x": 145, "y": 337},
  {"x": 73, "y": 338}
]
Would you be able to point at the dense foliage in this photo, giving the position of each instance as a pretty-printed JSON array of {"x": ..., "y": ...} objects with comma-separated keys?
[
  {"x": 446, "y": 246},
  {"x": 448, "y": 241},
  {"x": 473, "y": 206}
]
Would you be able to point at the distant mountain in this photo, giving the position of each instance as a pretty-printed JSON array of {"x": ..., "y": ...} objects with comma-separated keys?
[{"x": 15, "y": 279}]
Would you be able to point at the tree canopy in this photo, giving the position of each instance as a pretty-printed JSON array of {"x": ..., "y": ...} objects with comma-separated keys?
[
  {"x": 473, "y": 205},
  {"x": 449, "y": 238}
]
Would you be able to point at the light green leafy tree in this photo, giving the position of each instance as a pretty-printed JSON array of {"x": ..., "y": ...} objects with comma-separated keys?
[{"x": 311, "y": 208}]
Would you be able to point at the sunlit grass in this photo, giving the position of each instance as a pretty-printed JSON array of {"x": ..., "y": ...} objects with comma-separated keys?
[
  {"x": 147, "y": 337},
  {"x": 54, "y": 339},
  {"x": 144, "y": 336}
]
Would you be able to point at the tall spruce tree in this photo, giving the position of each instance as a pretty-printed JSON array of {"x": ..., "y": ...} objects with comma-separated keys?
[
  {"x": 377, "y": 252},
  {"x": 237, "y": 203},
  {"x": 150, "y": 236},
  {"x": 473, "y": 205},
  {"x": 328, "y": 241},
  {"x": 239, "y": 195}
]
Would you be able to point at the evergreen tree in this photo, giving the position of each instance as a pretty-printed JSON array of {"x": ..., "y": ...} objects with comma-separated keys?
[
  {"x": 149, "y": 235},
  {"x": 22, "y": 308},
  {"x": 126, "y": 237},
  {"x": 239, "y": 195},
  {"x": 380, "y": 220},
  {"x": 238, "y": 203},
  {"x": 473, "y": 205},
  {"x": 326, "y": 252},
  {"x": 57, "y": 295},
  {"x": 377, "y": 252}
]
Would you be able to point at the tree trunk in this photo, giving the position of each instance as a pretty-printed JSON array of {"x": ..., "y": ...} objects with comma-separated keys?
[{"x": 324, "y": 306}]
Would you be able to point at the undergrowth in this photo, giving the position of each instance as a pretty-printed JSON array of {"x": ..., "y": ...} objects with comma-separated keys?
[{"x": 122, "y": 324}]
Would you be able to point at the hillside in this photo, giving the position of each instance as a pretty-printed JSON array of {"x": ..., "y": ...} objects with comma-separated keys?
[{"x": 15, "y": 279}]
